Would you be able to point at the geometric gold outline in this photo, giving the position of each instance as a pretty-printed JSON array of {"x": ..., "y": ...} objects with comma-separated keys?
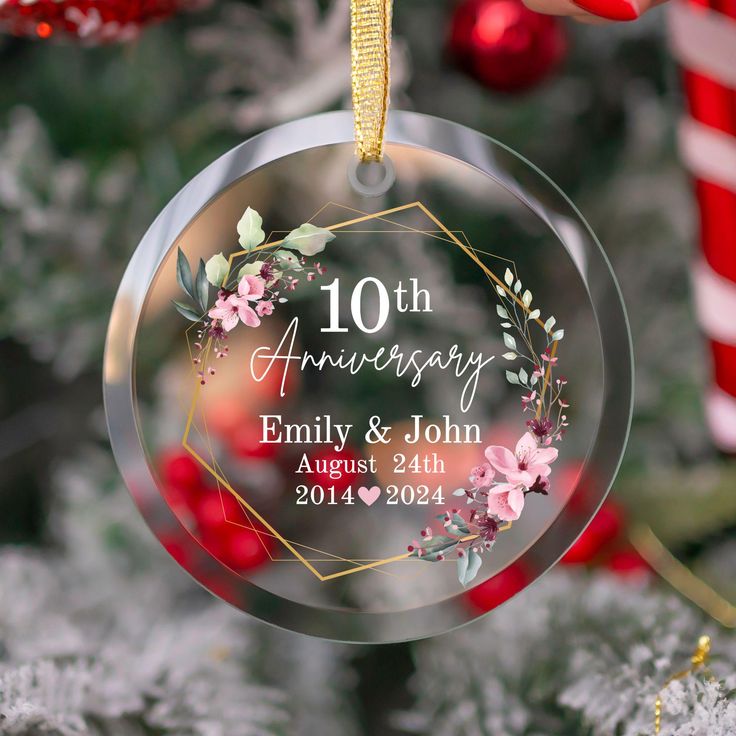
[{"x": 219, "y": 476}]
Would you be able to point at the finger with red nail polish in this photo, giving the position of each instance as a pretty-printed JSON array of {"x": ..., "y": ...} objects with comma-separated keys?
[
  {"x": 594, "y": 11},
  {"x": 611, "y": 9}
]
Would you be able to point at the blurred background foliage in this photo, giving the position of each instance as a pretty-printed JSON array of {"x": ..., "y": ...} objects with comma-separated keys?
[{"x": 93, "y": 142}]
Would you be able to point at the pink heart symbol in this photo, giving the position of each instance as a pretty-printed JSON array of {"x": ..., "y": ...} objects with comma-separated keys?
[{"x": 369, "y": 495}]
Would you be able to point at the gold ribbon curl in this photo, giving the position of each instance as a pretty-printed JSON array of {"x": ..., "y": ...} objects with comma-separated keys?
[{"x": 698, "y": 661}]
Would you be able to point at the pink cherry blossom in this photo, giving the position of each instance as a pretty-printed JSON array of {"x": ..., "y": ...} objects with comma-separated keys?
[
  {"x": 506, "y": 501},
  {"x": 251, "y": 287},
  {"x": 232, "y": 309},
  {"x": 526, "y": 464},
  {"x": 481, "y": 476},
  {"x": 547, "y": 356},
  {"x": 264, "y": 308}
]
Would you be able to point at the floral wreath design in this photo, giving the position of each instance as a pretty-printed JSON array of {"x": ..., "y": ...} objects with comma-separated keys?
[
  {"x": 252, "y": 292},
  {"x": 492, "y": 502}
]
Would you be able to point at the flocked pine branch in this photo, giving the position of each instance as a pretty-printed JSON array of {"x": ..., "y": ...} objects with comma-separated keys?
[
  {"x": 277, "y": 62},
  {"x": 572, "y": 656},
  {"x": 104, "y": 638}
]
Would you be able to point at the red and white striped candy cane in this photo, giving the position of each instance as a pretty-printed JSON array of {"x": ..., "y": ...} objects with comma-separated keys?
[{"x": 703, "y": 39}]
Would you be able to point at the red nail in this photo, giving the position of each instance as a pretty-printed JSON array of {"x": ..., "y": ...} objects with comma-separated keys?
[{"x": 611, "y": 9}]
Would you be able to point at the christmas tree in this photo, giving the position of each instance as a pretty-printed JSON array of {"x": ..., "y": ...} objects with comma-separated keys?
[{"x": 99, "y": 630}]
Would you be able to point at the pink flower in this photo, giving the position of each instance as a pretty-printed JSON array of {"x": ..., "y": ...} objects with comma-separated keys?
[
  {"x": 481, "y": 476},
  {"x": 231, "y": 309},
  {"x": 547, "y": 356},
  {"x": 264, "y": 308},
  {"x": 251, "y": 287},
  {"x": 528, "y": 399},
  {"x": 523, "y": 466},
  {"x": 506, "y": 501}
]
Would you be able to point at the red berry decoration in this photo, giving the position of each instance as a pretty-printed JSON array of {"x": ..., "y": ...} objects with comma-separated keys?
[
  {"x": 91, "y": 21},
  {"x": 236, "y": 546},
  {"x": 629, "y": 564},
  {"x": 504, "y": 45},
  {"x": 245, "y": 442},
  {"x": 328, "y": 463},
  {"x": 498, "y": 589},
  {"x": 180, "y": 471},
  {"x": 604, "y": 528},
  {"x": 216, "y": 507}
]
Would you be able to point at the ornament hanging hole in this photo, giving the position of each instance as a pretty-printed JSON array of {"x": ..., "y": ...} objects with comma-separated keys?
[{"x": 371, "y": 178}]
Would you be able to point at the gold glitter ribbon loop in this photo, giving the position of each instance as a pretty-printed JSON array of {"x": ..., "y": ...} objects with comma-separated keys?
[{"x": 370, "y": 47}]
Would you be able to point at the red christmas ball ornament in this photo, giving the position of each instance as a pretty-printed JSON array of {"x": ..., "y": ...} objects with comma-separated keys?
[
  {"x": 91, "y": 21},
  {"x": 504, "y": 45}
]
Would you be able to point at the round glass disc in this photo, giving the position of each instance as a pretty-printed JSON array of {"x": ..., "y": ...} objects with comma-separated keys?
[{"x": 368, "y": 405}]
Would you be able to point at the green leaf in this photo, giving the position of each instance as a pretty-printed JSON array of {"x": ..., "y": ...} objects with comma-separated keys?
[
  {"x": 308, "y": 239},
  {"x": 526, "y": 298},
  {"x": 512, "y": 378},
  {"x": 250, "y": 231},
  {"x": 523, "y": 375},
  {"x": 467, "y": 572},
  {"x": 508, "y": 277},
  {"x": 534, "y": 314},
  {"x": 558, "y": 335},
  {"x": 509, "y": 341},
  {"x": 435, "y": 547},
  {"x": 502, "y": 313},
  {"x": 217, "y": 269},
  {"x": 500, "y": 291},
  {"x": 184, "y": 274},
  {"x": 439, "y": 542},
  {"x": 435, "y": 556},
  {"x": 510, "y": 356},
  {"x": 549, "y": 324},
  {"x": 287, "y": 260},
  {"x": 506, "y": 325},
  {"x": 187, "y": 311},
  {"x": 458, "y": 525},
  {"x": 202, "y": 286},
  {"x": 517, "y": 287},
  {"x": 458, "y": 492},
  {"x": 462, "y": 567}
]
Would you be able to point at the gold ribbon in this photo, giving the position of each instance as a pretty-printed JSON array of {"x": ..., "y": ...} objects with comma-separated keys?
[
  {"x": 697, "y": 662},
  {"x": 370, "y": 47},
  {"x": 683, "y": 580}
]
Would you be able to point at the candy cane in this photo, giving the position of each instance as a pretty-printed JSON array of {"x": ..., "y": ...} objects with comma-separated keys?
[{"x": 703, "y": 39}]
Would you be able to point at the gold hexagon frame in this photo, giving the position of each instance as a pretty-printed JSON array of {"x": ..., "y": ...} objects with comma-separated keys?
[{"x": 212, "y": 467}]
